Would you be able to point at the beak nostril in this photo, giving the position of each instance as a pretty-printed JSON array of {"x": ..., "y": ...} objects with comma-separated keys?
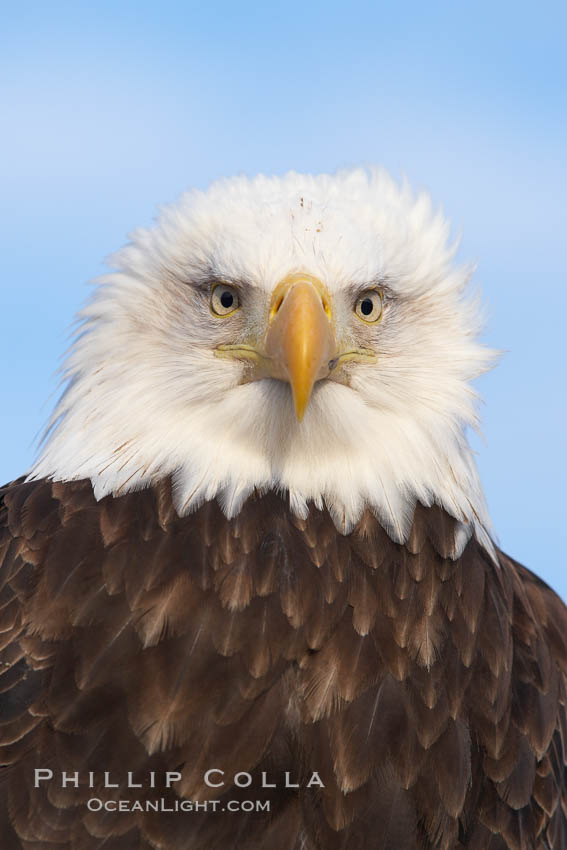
[{"x": 276, "y": 306}]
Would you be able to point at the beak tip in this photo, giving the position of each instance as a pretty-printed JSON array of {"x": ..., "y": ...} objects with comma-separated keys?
[{"x": 300, "y": 406}]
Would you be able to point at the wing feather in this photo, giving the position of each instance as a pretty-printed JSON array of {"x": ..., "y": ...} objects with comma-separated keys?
[{"x": 427, "y": 690}]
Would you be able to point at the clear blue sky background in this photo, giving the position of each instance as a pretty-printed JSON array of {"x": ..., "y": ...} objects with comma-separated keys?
[{"x": 110, "y": 108}]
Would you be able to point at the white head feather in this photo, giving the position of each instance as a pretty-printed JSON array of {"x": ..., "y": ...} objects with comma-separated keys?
[{"x": 147, "y": 397}]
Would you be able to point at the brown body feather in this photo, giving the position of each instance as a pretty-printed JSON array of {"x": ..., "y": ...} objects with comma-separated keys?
[{"x": 428, "y": 693}]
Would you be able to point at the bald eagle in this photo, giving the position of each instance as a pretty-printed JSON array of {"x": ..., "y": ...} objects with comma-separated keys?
[{"x": 250, "y": 593}]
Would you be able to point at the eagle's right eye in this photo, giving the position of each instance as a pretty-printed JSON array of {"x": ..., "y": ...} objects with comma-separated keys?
[{"x": 224, "y": 300}]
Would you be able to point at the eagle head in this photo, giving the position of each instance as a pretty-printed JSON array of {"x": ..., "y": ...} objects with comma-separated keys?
[{"x": 304, "y": 334}]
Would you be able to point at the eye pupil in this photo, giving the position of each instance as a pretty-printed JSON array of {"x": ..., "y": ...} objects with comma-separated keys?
[
  {"x": 366, "y": 307},
  {"x": 227, "y": 299}
]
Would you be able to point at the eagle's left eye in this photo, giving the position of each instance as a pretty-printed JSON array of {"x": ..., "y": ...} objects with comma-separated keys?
[
  {"x": 368, "y": 306},
  {"x": 224, "y": 300}
]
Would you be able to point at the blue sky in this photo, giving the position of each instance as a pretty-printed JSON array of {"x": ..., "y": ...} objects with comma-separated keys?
[{"x": 108, "y": 111}]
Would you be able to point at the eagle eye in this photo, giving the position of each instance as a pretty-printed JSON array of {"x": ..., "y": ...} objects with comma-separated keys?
[
  {"x": 224, "y": 300},
  {"x": 368, "y": 306}
]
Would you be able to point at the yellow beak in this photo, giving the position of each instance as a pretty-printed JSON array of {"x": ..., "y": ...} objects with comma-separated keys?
[{"x": 300, "y": 340}]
